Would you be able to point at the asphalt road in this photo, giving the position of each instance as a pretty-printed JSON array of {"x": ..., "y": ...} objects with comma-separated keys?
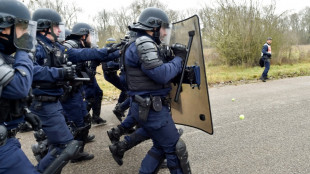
[{"x": 274, "y": 137}]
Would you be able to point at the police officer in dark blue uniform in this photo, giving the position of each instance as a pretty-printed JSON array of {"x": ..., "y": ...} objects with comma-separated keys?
[
  {"x": 110, "y": 74},
  {"x": 84, "y": 36},
  {"x": 148, "y": 79},
  {"x": 49, "y": 74},
  {"x": 16, "y": 77}
]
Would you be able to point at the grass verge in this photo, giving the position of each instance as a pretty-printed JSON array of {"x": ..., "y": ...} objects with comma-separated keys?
[
  {"x": 227, "y": 74},
  {"x": 222, "y": 75}
]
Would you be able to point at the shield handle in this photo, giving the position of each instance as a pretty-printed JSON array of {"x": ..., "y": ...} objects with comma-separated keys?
[{"x": 191, "y": 35}]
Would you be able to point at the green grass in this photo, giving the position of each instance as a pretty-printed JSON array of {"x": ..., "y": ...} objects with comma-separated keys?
[
  {"x": 109, "y": 91},
  {"x": 281, "y": 67},
  {"x": 223, "y": 74}
]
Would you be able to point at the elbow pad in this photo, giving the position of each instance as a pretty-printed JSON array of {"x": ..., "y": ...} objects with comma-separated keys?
[
  {"x": 70, "y": 44},
  {"x": 6, "y": 73},
  {"x": 148, "y": 52}
]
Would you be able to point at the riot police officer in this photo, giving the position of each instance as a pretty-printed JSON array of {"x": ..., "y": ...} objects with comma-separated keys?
[
  {"x": 49, "y": 74},
  {"x": 17, "y": 33},
  {"x": 84, "y": 36},
  {"x": 110, "y": 74},
  {"x": 148, "y": 80}
]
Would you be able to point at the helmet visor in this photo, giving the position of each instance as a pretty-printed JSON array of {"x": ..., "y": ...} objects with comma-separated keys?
[
  {"x": 25, "y": 35},
  {"x": 62, "y": 32},
  {"x": 165, "y": 34},
  {"x": 93, "y": 38}
]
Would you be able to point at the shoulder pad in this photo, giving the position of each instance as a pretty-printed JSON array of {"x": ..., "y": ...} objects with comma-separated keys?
[
  {"x": 71, "y": 44},
  {"x": 6, "y": 72},
  {"x": 148, "y": 52}
]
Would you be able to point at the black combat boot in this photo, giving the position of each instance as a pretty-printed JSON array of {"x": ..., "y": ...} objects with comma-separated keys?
[
  {"x": 96, "y": 106},
  {"x": 82, "y": 156},
  {"x": 263, "y": 79},
  {"x": 118, "y": 149},
  {"x": 25, "y": 127},
  {"x": 119, "y": 113},
  {"x": 90, "y": 138},
  {"x": 115, "y": 133},
  {"x": 97, "y": 120}
]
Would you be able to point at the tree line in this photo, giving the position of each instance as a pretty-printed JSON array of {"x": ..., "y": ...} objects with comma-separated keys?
[{"x": 236, "y": 29}]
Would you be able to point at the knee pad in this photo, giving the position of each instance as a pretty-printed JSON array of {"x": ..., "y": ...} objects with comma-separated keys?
[
  {"x": 40, "y": 149},
  {"x": 182, "y": 155},
  {"x": 71, "y": 150}
]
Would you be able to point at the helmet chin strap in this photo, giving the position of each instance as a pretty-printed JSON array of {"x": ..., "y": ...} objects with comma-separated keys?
[
  {"x": 54, "y": 35},
  {"x": 9, "y": 42},
  {"x": 85, "y": 42},
  {"x": 156, "y": 35},
  {"x": 46, "y": 32}
]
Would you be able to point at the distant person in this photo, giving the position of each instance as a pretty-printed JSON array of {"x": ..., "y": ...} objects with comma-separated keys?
[{"x": 266, "y": 55}]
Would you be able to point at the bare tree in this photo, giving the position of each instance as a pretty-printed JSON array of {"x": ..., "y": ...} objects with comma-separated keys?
[
  {"x": 238, "y": 30},
  {"x": 68, "y": 10},
  {"x": 115, "y": 23},
  {"x": 305, "y": 25}
]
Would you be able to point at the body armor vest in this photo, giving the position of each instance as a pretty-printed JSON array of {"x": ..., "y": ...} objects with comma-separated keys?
[
  {"x": 136, "y": 79},
  {"x": 55, "y": 57}
]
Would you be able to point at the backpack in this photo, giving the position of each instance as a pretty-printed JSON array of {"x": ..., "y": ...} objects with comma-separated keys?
[{"x": 261, "y": 62}]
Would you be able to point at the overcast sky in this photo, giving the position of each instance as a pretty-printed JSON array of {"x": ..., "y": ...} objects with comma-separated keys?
[{"x": 92, "y": 7}]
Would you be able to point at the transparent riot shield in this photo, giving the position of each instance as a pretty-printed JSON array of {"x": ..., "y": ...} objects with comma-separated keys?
[{"x": 192, "y": 106}]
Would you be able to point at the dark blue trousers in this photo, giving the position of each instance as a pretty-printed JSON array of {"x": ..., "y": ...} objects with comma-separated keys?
[
  {"x": 75, "y": 108},
  {"x": 54, "y": 126},
  {"x": 267, "y": 67},
  {"x": 161, "y": 129},
  {"x": 115, "y": 80},
  {"x": 93, "y": 95},
  {"x": 13, "y": 160}
]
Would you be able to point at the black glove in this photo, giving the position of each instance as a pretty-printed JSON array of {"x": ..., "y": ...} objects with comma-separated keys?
[
  {"x": 25, "y": 41},
  {"x": 33, "y": 119},
  {"x": 111, "y": 49},
  {"x": 69, "y": 72},
  {"x": 166, "y": 52},
  {"x": 94, "y": 64},
  {"x": 179, "y": 50}
]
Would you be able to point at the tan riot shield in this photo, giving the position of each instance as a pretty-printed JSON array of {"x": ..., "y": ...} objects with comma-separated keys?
[{"x": 193, "y": 105}]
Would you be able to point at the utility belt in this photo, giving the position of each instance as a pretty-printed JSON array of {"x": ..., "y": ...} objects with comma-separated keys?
[
  {"x": 45, "y": 85},
  {"x": 46, "y": 98},
  {"x": 148, "y": 102}
]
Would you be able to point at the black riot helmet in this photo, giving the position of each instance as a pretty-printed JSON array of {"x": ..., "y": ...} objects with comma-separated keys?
[
  {"x": 15, "y": 15},
  {"x": 109, "y": 42},
  {"x": 80, "y": 29},
  {"x": 151, "y": 19},
  {"x": 48, "y": 19},
  {"x": 67, "y": 33}
]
